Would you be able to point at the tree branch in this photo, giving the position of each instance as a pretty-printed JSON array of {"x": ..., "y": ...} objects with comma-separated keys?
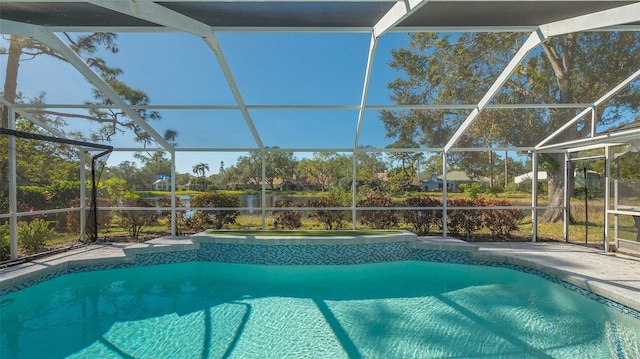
[
  {"x": 521, "y": 90},
  {"x": 75, "y": 115},
  {"x": 555, "y": 60}
]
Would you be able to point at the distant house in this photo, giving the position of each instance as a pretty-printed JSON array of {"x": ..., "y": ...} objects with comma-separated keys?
[
  {"x": 542, "y": 177},
  {"x": 454, "y": 180},
  {"x": 163, "y": 184},
  {"x": 594, "y": 179}
]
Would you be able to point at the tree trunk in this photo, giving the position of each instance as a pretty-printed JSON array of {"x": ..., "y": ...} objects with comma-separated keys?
[
  {"x": 562, "y": 65},
  {"x": 490, "y": 169},
  {"x": 555, "y": 183},
  {"x": 506, "y": 169},
  {"x": 11, "y": 77}
]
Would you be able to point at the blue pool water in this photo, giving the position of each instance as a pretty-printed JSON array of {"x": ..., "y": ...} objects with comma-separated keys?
[{"x": 407, "y": 309}]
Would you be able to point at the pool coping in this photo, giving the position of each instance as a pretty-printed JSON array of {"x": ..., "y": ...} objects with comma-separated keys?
[{"x": 623, "y": 287}]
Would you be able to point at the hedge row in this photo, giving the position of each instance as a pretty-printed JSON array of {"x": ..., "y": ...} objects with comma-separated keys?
[{"x": 500, "y": 222}]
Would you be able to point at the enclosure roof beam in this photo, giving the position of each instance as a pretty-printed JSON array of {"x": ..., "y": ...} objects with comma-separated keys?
[
  {"x": 213, "y": 43},
  {"x": 47, "y": 38},
  {"x": 532, "y": 41},
  {"x": 617, "y": 16},
  {"x": 324, "y": 30},
  {"x": 615, "y": 90},
  {"x": 398, "y": 12},
  {"x": 150, "y": 11},
  {"x": 609, "y": 138},
  {"x": 599, "y": 102},
  {"x": 365, "y": 88}
]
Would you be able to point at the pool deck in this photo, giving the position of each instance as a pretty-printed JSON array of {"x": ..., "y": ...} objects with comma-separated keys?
[{"x": 611, "y": 275}]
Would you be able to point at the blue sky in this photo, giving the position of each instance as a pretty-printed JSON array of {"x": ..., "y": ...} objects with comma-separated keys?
[{"x": 269, "y": 69}]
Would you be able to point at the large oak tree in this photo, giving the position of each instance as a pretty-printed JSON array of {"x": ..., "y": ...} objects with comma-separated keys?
[{"x": 446, "y": 69}]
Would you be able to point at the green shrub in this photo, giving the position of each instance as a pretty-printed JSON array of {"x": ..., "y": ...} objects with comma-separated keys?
[
  {"x": 501, "y": 222},
  {"x": 378, "y": 219},
  {"x": 287, "y": 219},
  {"x": 330, "y": 219},
  {"x": 134, "y": 221},
  {"x": 5, "y": 247},
  {"x": 511, "y": 187},
  {"x": 31, "y": 198},
  {"x": 73, "y": 217},
  {"x": 473, "y": 189},
  {"x": 4, "y": 201},
  {"x": 216, "y": 218},
  {"x": 62, "y": 192},
  {"x": 464, "y": 221},
  {"x": 34, "y": 235},
  {"x": 184, "y": 223},
  {"x": 422, "y": 220}
]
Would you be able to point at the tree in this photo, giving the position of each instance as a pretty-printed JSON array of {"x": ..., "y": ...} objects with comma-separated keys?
[
  {"x": 400, "y": 178},
  {"x": 573, "y": 68},
  {"x": 183, "y": 178},
  {"x": 153, "y": 164},
  {"x": 369, "y": 166},
  {"x": 278, "y": 165},
  {"x": 201, "y": 169},
  {"x": 126, "y": 170},
  {"x": 112, "y": 121},
  {"x": 232, "y": 176},
  {"x": 118, "y": 188},
  {"x": 38, "y": 163},
  {"x": 514, "y": 167},
  {"x": 404, "y": 159},
  {"x": 316, "y": 169},
  {"x": 249, "y": 169}
]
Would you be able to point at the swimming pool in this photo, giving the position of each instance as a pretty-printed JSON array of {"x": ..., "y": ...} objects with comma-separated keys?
[{"x": 378, "y": 310}]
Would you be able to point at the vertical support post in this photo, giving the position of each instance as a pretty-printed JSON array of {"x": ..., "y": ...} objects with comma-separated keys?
[
  {"x": 594, "y": 115},
  {"x": 173, "y": 194},
  {"x": 534, "y": 197},
  {"x": 616, "y": 219},
  {"x": 607, "y": 195},
  {"x": 567, "y": 198},
  {"x": 586, "y": 203},
  {"x": 83, "y": 194},
  {"x": 444, "y": 193},
  {"x": 354, "y": 190},
  {"x": 94, "y": 199},
  {"x": 264, "y": 190},
  {"x": 13, "y": 193}
]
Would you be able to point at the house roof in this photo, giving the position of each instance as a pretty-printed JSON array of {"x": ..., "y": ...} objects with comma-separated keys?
[{"x": 459, "y": 176}]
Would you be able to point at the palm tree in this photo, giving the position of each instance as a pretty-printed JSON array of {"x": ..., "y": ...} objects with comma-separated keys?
[{"x": 201, "y": 168}]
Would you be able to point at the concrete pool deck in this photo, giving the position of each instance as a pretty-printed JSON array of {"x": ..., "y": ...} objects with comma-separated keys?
[{"x": 611, "y": 275}]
